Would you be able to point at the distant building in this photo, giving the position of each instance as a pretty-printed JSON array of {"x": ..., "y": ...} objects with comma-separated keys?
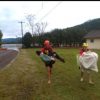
[{"x": 93, "y": 39}]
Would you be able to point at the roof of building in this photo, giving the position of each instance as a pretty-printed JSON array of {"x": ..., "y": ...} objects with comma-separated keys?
[{"x": 93, "y": 34}]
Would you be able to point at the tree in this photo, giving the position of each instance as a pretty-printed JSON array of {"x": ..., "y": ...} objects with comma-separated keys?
[
  {"x": 31, "y": 20},
  {"x": 27, "y": 39},
  {"x": 36, "y": 28},
  {"x": 40, "y": 27},
  {"x": 1, "y": 34}
]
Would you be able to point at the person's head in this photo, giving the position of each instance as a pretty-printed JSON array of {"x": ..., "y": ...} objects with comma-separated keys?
[
  {"x": 85, "y": 45},
  {"x": 46, "y": 42}
]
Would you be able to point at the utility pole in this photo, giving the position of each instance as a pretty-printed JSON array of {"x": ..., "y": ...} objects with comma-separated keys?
[{"x": 22, "y": 31}]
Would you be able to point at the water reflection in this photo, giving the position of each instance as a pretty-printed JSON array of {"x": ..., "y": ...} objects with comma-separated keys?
[{"x": 12, "y": 46}]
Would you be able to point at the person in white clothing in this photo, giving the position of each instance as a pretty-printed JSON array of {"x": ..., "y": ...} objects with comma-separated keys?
[{"x": 88, "y": 62}]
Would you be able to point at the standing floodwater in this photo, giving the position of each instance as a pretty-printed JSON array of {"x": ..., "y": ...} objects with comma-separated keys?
[{"x": 12, "y": 46}]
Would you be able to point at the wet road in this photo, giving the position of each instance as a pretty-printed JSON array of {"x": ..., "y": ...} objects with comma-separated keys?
[{"x": 6, "y": 56}]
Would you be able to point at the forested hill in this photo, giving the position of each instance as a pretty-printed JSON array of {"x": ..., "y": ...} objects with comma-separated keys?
[
  {"x": 11, "y": 40},
  {"x": 69, "y": 36},
  {"x": 90, "y": 25}
]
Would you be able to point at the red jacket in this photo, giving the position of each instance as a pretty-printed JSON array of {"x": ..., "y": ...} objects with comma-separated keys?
[
  {"x": 82, "y": 50},
  {"x": 47, "y": 48}
]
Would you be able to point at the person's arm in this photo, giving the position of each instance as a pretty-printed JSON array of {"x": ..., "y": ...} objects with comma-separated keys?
[
  {"x": 42, "y": 50},
  {"x": 81, "y": 52}
]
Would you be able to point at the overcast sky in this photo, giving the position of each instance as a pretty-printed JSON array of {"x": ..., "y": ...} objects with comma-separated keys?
[{"x": 57, "y": 14}]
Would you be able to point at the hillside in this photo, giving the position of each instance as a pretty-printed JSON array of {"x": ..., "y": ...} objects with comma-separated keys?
[
  {"x": 71, "y": 36},
  {"x": 89, "y": 25},
  {"x": 67, "y": 36},
  {"x": 11, "y": 40}
]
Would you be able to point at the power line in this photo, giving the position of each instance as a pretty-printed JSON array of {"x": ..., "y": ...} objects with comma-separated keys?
[
  {"x": 42, "y": 4},
  {"x": 50, "y": 11},
  {"x": 40, "y": 9}
]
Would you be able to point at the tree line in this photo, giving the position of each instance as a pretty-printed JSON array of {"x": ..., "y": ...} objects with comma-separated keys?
[{"x": 70, "y": 37}]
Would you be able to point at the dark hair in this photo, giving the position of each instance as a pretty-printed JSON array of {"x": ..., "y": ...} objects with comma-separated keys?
[{"x": 38, "y": 52}]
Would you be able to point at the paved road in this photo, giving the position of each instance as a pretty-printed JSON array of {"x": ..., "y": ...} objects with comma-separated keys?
[{"x": 6, "y": 56}]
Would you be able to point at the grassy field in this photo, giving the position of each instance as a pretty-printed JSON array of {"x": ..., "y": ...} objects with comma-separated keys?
[{"x": 26, "y": 79}]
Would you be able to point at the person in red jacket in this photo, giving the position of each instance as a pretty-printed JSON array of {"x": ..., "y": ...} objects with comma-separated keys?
[
  {"x": 47, "y": 47},
  {"x": 48, "y": 50}
]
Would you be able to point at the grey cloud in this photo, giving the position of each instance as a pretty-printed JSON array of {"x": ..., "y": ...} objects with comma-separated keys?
[
  {"x": 10, "y": 28},
  {"x": 6, "y": 13}
]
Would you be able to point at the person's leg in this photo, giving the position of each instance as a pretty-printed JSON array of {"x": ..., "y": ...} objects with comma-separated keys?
[
  {"x": 49, "y": 74},
  {"x": 90, "y": 77},
  {"x": 82, "y": 74}
]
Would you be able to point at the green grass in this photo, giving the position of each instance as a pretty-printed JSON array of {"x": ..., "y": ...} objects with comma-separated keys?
[{"x": 26, "y": 79}]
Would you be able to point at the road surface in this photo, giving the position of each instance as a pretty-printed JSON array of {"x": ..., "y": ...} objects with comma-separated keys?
[{"x": 6, "y": 56}]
